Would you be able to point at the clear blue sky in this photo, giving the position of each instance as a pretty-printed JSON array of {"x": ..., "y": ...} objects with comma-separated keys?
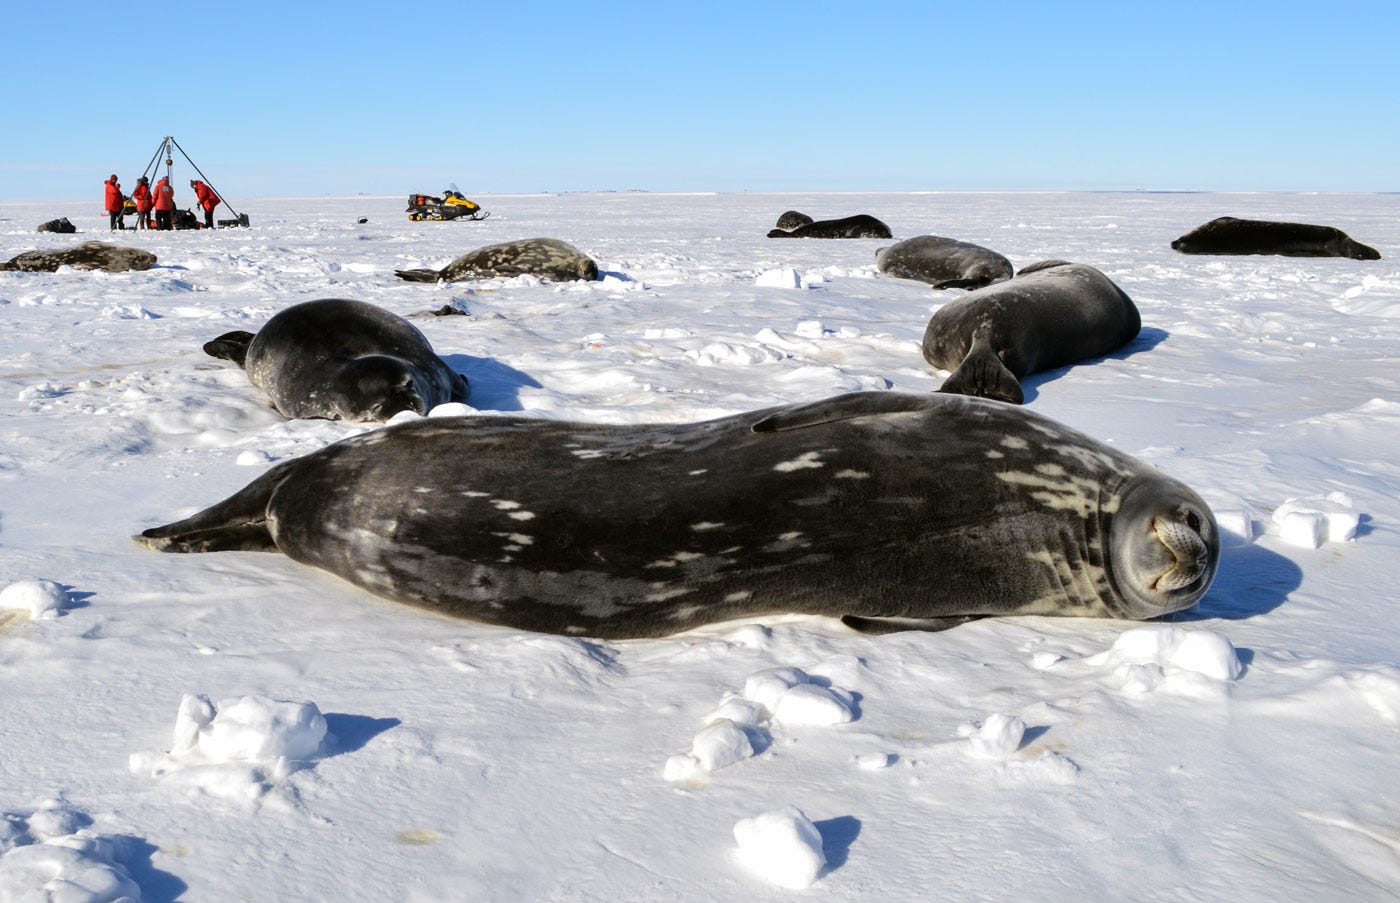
[{"x": 318, "y": 98}]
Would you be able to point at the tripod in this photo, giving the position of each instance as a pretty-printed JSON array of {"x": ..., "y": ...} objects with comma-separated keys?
[{"x": 168, "y": 146}]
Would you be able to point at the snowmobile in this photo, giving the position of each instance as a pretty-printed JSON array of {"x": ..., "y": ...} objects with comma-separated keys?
[{"x": 452, "y": 205}]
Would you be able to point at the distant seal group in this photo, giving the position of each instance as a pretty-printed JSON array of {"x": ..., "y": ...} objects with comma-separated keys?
[
  {"x": 1228, "y": 235},
  {"x": 1052, "y": 314},
  {"x": 342, "y": 360},
  {"x": 943, "y": 262},
  {"x": 859, "y": 226},
  {"x": 547, "y": 258},
  {"x": 90, "y": 255},
  {"x": 892, "y": 511}
]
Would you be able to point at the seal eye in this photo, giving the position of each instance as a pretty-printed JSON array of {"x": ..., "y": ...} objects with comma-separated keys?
[{"x": 1193, "y": 520}]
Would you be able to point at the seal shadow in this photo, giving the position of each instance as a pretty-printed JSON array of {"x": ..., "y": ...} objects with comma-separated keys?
[
  {"x": 492, "y": 385},
  {"x": 1148, "y": 337},
  {"x": 837, "y": 836},
  {"x": 352, "y": 732},
  {"x": 1251, "y": 581},
  {"x": 156, "y": 886}
]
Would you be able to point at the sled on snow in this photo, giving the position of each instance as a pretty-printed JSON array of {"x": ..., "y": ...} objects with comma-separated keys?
[{"x": 452, "y": 205}]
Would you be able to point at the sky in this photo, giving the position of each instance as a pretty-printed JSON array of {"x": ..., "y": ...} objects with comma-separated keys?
[{"x": 315, "y": 99}]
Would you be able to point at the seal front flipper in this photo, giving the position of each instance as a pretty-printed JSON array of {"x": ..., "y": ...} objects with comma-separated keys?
[
  {"x": 878, "y": 626},
  {"x": 418, "y": 275},
  {"x": 960, "y": 283},
  {"x": 231, "y": 346},
  {"x": 842, "y": 407},
  {"x": 237, "y": 524},
  {"x": 983, "y": 374}
]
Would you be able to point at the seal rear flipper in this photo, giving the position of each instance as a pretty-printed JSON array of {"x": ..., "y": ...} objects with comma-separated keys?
[
  {"x": 417, "y": 275},
  {"x": 237, "y": 524},
  {"x": 842, "y": 407},
  {"x": 231, "y": 346},
  {"x": 983, "y": 374},
  {"x": 878, "y": 626}
]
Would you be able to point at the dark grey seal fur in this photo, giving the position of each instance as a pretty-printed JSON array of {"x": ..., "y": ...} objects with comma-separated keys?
[
  {"x": 791, "y": 219},
  {"x": 1228, "y": 235},
  {"x": 1052, "y": 314},
  {"x": 90, "y": 255},
  {"x": 893, "y": 511},
  {"x": 547, "y": 258},
  {"x": 943, "y": 262},
  {"x": 62, "y": 226},
  {"x": 342, "y": 360},
  {"x": 859, "y": 226}
]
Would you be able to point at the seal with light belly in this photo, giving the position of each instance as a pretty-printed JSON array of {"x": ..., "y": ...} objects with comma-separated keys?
[
  {"x": 1051, "y": 315},
  {"x": 342, "y": 360},
  {"x": 90, "y": 255},
  {"x": 547, "y": 258},
  {"x": 1228, "y": 235},
  {"x": 943, "y": 262},
  {"x": 893, "y": 511}
]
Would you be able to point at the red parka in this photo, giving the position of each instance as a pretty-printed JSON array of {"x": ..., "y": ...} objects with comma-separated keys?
[
  {"x": 114, "y": 195},
  {"x": 164, "y": 195},
  {"x": 141, "y": 194},
  {"x": 206, "y": 196}
]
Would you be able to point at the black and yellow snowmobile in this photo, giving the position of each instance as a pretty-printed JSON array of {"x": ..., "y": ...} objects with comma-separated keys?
[{"x": 452, "y": 205}]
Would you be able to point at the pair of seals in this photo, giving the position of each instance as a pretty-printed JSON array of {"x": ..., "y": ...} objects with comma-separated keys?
[
  {"x": 1228, "y": 235},
  {"x": 1052, "y": 314},
  {"x": 895, "y": 511},
  {"x": 859, "y": 226},
  {"x": 61, "y": 226},
  {"x": 943, "y": 262},
  {"x": 90, "y": 255},
  {"x": 547, "y": 258},
  {"x": 342, "y": 360}
]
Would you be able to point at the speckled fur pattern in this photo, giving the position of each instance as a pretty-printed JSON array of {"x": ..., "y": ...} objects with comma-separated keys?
[
  {"x": 547, "y": 258},
  {"x": 943, "y": 262},
  {"x": 90, "y": 255},
  {"x": 916, "y": 511},
  {"x": 1052, "y": 314},
  {"x": 342, "y": 360}
]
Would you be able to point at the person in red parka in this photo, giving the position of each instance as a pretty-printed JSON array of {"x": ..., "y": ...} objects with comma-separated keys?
[
  {"x": 116, "y": 201},
  {"x": 141, "y": 194},
  {"x": 207, "y": 199},
  {"x": 164, "y": 203}
]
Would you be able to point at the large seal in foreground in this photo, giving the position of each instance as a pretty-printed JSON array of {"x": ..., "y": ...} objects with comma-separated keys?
[
  {"x": 90, "y": 255},
  {"x": 861, "y": 225},
  {"x": 547, "y": 258},
  {"x": 342, "y": 360},
  {"x": 1052, "y": 314},
  {"x": 943, "y": 262},
  {"x": 1228, "y": 235},
  {"x": 895, "y": 511}
]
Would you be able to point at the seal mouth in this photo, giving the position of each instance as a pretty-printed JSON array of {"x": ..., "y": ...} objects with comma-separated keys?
[{"x": 1189, "y": 550}]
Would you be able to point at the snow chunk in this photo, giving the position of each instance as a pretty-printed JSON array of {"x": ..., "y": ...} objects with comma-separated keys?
[
  {"x": 39, "y": 598},
  {"x": 997, "y": 737},
  {"x": 251, "y": 728},
  {"x": 49, "y": 855},
  {"x": 874, "y": 761},
  {"x": 719, "y": 744},
  {"x": 452, "y": 409},
  {"x": 783, "y": 847},
  {"x": 767, "y": 687},
  {"x": 784, "y": 277},
  {"x": 1236, "y": 526},
  {"x": 254, "y": 457},
  {"x": 811, "y": 704},
  {"x": 809, "y": 329},
  {"x": 1160, "y": 655},
  {"x": 1316, "y": 519}
]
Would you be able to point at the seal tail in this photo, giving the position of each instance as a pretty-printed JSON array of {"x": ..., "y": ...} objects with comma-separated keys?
[
  {"x": 983, "y": 374},
  {"x": 231, "y": 346},
  {"x": 237, "y": 524},
  {"x": 417, "y": 275}
]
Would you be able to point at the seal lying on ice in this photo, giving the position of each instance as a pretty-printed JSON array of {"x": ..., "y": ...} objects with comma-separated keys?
[
  {"x": 892, "y": 511},
  {"x": 90, "y": 255},
  {"x": 547, "y": 258},
  {"x": 1228, "y": 235},
  {"x": 943, "y": 262}
]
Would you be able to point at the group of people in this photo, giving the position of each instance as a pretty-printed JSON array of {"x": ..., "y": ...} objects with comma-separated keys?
[{"x": 159, "y": 199}]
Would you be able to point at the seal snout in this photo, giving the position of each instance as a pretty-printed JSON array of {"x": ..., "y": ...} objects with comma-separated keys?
[{"x": 1190, "y": 551}]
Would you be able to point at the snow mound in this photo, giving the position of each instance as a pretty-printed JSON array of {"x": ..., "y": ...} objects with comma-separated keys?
[
  {"x": 783, "y": 847},
  {"x": 37, "y": 598},
  {"x": 783, "y": 277},
  {"x": 1315, "y": 519},
  {"x": 1159, "y": 656},
  {"x": 50, "y": 855},
  {"x": 997, "y": 737}
]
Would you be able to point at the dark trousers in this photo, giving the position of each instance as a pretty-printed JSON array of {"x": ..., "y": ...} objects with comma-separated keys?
[
  {"x": 163, "y": 219},
  {"x": 117, "y": 219},
  {"x": 208, "y": 217}
]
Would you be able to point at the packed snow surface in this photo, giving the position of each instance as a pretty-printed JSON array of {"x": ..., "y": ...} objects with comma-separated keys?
[{"x": 238, "y": 726}]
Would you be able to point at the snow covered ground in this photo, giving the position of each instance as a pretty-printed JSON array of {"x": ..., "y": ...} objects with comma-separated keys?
[{"x": 238, "y": 726}]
